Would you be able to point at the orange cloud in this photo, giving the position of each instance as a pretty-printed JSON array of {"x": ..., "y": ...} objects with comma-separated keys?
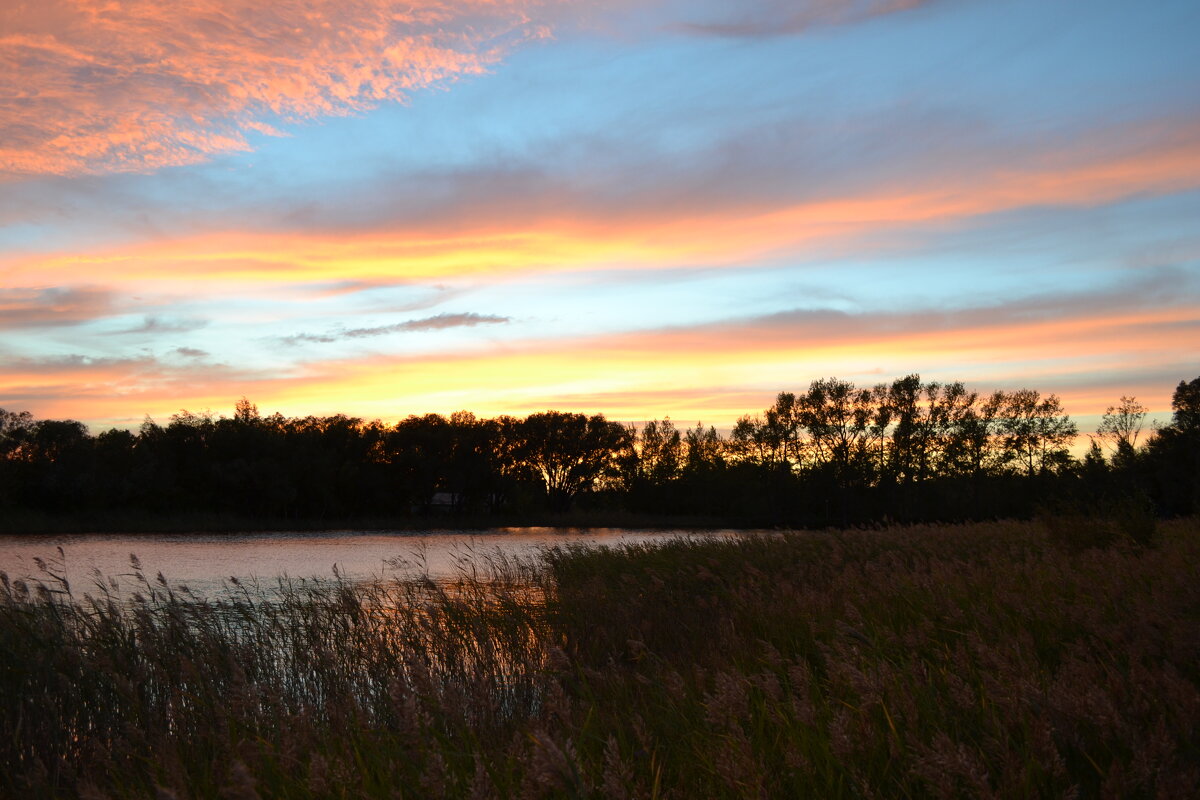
[
  {"x": 90, "y": 86},
  {"x": 1115, "y": 165},
  {"x": 714, "y": 372},
  {"x": 1090, "y": 356},
  {"x": 1112, "y": 167}
]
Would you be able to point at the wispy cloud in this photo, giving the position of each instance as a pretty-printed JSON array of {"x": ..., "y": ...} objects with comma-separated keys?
[
  {"x": 90, "y": 387},
  {"x": 435, "y": 323},
  {"x": 72, "y": 364},
  {"x": 24, "y": 308},
  {"x": 159, "y": 325},
  {"x": 1090, "y": 346},
  {"x": 92, "y": 86},
  {"x": 523, "y": 227},
  {"x": 769, "y": 18}
]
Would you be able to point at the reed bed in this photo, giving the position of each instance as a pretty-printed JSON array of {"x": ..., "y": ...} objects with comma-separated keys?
[{"x": 985, "y": 660}]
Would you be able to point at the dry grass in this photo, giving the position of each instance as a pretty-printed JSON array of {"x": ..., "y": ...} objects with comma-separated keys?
[{"x": 981, "y": 660}]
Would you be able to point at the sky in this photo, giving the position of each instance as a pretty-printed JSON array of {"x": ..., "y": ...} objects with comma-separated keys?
[{"x": 645, "y": 209}]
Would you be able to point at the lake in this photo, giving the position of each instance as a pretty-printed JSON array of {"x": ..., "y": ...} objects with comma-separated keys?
[{"x": 204, "y": 562}]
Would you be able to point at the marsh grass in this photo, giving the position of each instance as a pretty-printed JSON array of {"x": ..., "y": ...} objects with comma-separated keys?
[
  {"x": 318, "y": 686},
  {"x": 981, "y": 660},
  {"x": 1124, "y": 519}
]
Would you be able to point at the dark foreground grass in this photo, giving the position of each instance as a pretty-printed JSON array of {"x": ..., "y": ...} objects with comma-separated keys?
[{"x": 981, "y": 660}]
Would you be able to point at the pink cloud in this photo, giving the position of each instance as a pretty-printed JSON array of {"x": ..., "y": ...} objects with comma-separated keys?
[{"x": 88, "y": 86}]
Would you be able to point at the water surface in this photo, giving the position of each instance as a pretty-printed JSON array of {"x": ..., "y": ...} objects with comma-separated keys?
[{"x": 204, "y": 562}]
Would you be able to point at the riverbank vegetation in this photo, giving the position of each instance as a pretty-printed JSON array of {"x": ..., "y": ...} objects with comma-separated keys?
[
  {"x": 1020, "y": 659},
  {"x": 836, "y": 454}
]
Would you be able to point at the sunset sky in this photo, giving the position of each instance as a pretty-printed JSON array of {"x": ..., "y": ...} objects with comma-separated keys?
[{"x": 650, "y": 208}]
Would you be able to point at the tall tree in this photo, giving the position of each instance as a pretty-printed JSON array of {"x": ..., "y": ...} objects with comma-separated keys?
[
  {"x": 755, "y": 440},
  {"x": 705, "y": 449},
  {"x": 1174, "y": 452},
  {"x": 1037, "y": 433},
  {"x": 978, "y": 446},
  {"x": 1121, "y": 425},
  {"x": 421, "y": 451},
  {"x": 911, "y": 428},
  {"x": 954, "y": 415},
  {"x": 570, "y": 452},
  {"x": 1185, "y": 402},
  {"x": 658, "y": 452},
  {"x": 15, "y": 427},
  {"x": 838, "y": 417}
]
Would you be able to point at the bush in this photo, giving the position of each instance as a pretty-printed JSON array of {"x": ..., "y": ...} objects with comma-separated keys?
[
  {"x": 1078, "y": 530},
  {"x": 1136, "y": 518},
  {"x": 1123, "y": 518}
]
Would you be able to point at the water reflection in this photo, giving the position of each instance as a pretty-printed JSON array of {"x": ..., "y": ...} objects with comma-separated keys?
[{"x": 205, "y": 562}]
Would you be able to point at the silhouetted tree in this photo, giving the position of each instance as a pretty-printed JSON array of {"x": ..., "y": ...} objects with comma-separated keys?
[
  {"x": 1185, "y": 404},
  {"x": 1120, "y": 428},
  {"x": 475, "y": 473},
  {"x": 59, "y": 455},
  {"x": 705, "y": 450},
  {"x": 831, "y": 455},
  {"x": 1037, "y": 434},
  {"x": 979, "y": 447},
  {"x": 245, "y": 412},
  {"x": 422, "y": 450},
  {"x": 756, "y": 441},
  {"x": 657, "y": 453},
  {"x": 837, "y": 416},
  {"x": 115, "y": 463},
  {"x": 953, "y": 414},
  {"x": 1174, "y": 452},
  {"x": 14, "y": 429},
  {"x": 570, "y": 452}
]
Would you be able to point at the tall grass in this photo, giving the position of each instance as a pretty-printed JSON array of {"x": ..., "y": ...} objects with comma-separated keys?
[
  {"x": 317, "y": 687},
  {"x": 981, "y": 660}
]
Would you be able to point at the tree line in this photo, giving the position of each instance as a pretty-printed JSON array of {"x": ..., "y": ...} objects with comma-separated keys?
[{"x": 837, "y": 453}]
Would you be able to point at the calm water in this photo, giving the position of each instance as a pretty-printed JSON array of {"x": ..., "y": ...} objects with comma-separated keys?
[{"x": 204, "y": 561}]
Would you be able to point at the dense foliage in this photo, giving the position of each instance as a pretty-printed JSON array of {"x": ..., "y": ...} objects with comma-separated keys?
[
  {"x": 835, "y": 454},
  {"x": 989, "y": 660}
]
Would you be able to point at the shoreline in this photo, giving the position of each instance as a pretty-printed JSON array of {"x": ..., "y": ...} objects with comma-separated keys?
[{"x": 107, "y": 523}]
